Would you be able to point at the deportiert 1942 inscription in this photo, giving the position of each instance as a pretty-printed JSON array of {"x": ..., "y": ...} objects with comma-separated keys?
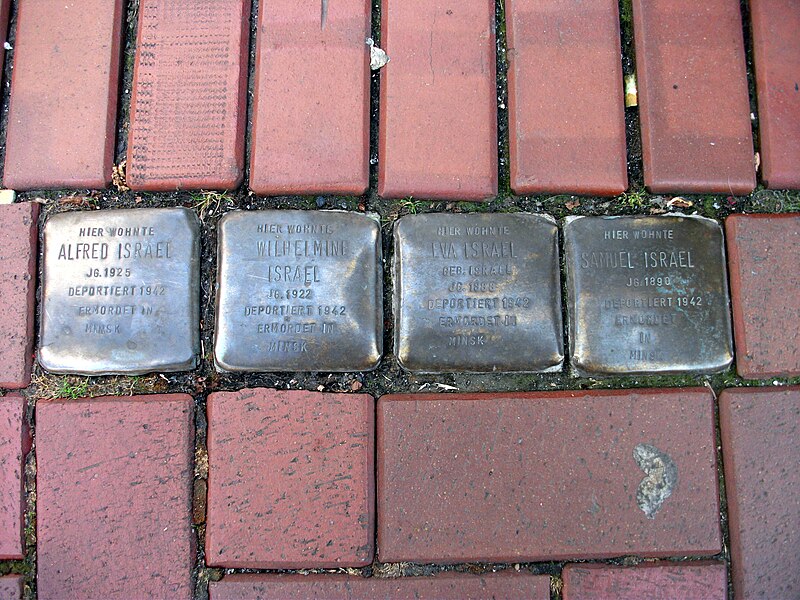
[
  {"x": 477, "y": 293},
  {"x": 647, "y": 295},
  {"x": 299, "y": 291},
  {"x": 121, "y": 292}
]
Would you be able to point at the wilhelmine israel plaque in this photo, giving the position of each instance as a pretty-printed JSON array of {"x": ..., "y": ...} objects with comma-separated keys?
[
  {"x": 477, "y": 293},
  {"x": 647, "y": 295},
  {"x": 299, "y": 291},
  {"x": 121, "y": 292}
]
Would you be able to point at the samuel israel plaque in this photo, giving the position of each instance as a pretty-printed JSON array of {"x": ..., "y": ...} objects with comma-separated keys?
[
  {"x": 647, "y": 295},
  {"x": 121, "y": 292},
  {"x": 477, "y": 293},
  {"x": 299, "y": 291}
]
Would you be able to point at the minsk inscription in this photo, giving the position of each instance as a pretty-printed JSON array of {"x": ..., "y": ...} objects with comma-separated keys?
[
  {"x": 121, "y": 292},
  {"x": 477, "y": 293},
  {"x": 647, "y": 295},
  {"x": 299, "y": 291}
]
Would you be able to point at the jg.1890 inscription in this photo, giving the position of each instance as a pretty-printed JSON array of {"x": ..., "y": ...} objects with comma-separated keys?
[
  {"x": 121, "y": 292},
  {"x": 647, "y": 295},
  {"x": 477, "y": 293},
  {"x": 299, "y": 291}
]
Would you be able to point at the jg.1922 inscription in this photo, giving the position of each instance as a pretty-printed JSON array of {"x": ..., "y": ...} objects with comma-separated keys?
[
  {"x": 647, "y": 295},
  {"x": 121, "y": 292},
  {"x": 477, "y": 293},
  {"x": 299, "y": 291}
]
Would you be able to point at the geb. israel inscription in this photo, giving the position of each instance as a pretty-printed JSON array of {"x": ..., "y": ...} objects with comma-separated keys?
[
  {"x": 647, "y": 295},
  {"x": 299, "y": 291},
  {"x": 121, "y": 292},
  {"x": 477, "y": 293}
]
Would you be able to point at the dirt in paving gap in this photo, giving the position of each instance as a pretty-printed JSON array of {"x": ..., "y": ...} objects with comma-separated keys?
[{"x": 388, "y": 378}]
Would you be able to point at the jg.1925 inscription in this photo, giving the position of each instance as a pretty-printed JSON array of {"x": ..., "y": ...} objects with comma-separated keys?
[
  {"x": 647, "y": 295},
  {"x": 299, "y": 291},
  {"x": 121, "y": 292},
  {"x": 477, "y": 293}
]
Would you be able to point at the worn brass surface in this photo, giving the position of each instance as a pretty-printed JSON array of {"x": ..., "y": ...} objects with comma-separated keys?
[
  {"x": 121, "y": 292},
  {"x": 477, "y": 293},
  {"x": 299, "y": 291},
  {"x": 647, "y": 295}
]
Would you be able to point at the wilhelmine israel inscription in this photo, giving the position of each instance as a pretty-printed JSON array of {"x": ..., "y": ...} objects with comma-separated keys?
[
  {"x": 647, "y": 295},
  {"x": 477, "y": 293},
  {"x": 299, "y": 291},
  {"x": 121, "y": 292}
]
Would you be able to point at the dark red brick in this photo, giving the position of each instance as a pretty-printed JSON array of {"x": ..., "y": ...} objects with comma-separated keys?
[
  {"x": 566, "y": 118},
  {"x": 776, "y": 48},
  {"x": 189, "y": 98},
  {"x": 18, "y": 241},
  {"x": 15, "y": 443},
  {"x": 760, "y": 429},
  {"x": 438, "y": 104},
  {"x": 544, "y": 476},
  {"x": 693, "y": 97},
  {"x": 311, "y": 105},
  {"x": 291, "y": 480},
  {"x": 691, "y": 581},
  {"x": 764, "y": 265},
  {"x": 114, "y": 504},
  {"x": 62, "y": 118},
  {"x": 11, "y": 587},
  {"x": 5, "y": 9},
  {"x": 444, "y": 586}
]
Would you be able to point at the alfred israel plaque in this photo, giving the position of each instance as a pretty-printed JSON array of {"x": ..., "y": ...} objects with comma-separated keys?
[
  {"x": 647, "y": 295},
  {"x": 121, "y": 292},
  {"x": 477, "y": 293},
  {"x": 299, "y": 291}
]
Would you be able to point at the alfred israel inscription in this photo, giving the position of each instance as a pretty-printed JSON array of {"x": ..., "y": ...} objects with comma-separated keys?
[
  {"x": 299, "y": 291},
  {"x": 121, "y": 292},
  {"x": 477, "y": 293},
  {"x": 647, "y": 295}
]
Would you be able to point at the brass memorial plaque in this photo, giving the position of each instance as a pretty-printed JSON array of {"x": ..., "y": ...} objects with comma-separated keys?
[
  {"x": 477, "y": 293},
  {"x": 299, "y": 291},
  {"x": 121, "y": 292},
  {"x": 647, "y": 295}
]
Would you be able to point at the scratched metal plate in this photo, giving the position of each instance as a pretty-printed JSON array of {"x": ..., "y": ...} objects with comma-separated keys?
[
  {"x": 647, "y": 295},
  {"x": 299, "y": 291},
  {"x": 121, "y": 292},
  {"x": 477, "y": 293}
]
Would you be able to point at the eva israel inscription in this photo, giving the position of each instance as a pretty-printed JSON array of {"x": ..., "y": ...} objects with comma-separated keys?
[
  {"x": 647, "y": 295},
  {"x": 477, "y": 293},
  {"x": 121, "y": 292},
  {"x": 299, "y": 291}
]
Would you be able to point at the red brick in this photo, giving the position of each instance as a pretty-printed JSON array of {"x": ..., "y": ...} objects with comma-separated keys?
[
  {"x": 692, "y": 581},
  {"x": 63, "y": 113},
  {"x": 776, "y": 48},
  {"x": 5, "y": 9},
  {"x": 11, "y": 587},
  {"x": 543, "y": 476},
  {"x": 18, "y": 241},
  {"x": 311, "y": 106},
  {"x": 15, "y": 443},
  {"x": 566, "y": 116},
  {"x": 693, "y": 97},
  {"x": 114, "y": 484},
  {"x": 444, "y": 586},
  {"x": 760, "y": 429},
  {"x": 764, "y": 264},
  {"x": 438, "y": 104},
  {"x": 189, "y": 102},
  {"x": 291, "y": 480}
]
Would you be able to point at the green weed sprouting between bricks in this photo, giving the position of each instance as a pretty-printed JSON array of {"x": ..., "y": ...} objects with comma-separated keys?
[
  {"x": 67, "y": 388},
  {"x": 635, "y": 199},
  {"x": 207, "y": 204}
]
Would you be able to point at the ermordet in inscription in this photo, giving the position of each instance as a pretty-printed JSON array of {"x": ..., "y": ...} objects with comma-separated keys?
[
  {"x": 299, "y": 291},
  {"x": 121, "y": 292},
  {"x": 647, "y": 295},
  {"x": 477, "y": 293}
]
